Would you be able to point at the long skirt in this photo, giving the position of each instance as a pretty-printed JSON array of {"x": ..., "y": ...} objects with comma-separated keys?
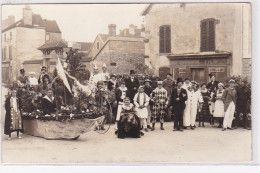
[
  {"x": 204, "y": 114},
  {"x": 16, "y": 120}
]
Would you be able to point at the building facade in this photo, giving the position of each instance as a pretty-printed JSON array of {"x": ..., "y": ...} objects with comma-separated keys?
[
  {"x": 21, "y": 40},
  {"x": 121, "y": 53},
  {"x": 195, "y": 39}
]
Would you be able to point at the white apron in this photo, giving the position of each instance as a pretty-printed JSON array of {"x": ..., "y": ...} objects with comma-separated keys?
[
  {"x": 141, "y": 113},
  {"x": 219, "y": 106}
]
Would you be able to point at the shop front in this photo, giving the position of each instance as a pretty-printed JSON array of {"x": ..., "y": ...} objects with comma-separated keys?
[{"x": 198, "y": 66}]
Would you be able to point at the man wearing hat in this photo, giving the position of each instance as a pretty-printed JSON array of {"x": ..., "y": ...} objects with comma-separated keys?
[
  {"x": 212, "y": 87},
  {"x": 132, "y": 85},
  {"x": 43, "y": 75},
  {"x": 148, "y": 90},
  {"x": 229, "y": 98},
  {"x": 112, "y": 83},
  {"x": 169, "y": 84},
  {"x": 22, "y": 80},
  {"x": 178, "y": 98},
  {"x": 94, "y": 77},
  {"x": 160, "y": 103},
  {"x": 104, "y": 76}
]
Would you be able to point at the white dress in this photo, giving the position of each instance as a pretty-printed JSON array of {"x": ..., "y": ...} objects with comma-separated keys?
[
  {"x": 141, "y": 113},
  {"x": 187, "y": 110},
  {"x": 219, "y": 106}
]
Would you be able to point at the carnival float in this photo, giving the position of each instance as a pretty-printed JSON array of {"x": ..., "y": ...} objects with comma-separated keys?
[{"x": 79, "y": 111}]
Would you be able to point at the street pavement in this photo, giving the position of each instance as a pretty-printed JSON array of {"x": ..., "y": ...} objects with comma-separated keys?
[{"x": 202, "y": 145}]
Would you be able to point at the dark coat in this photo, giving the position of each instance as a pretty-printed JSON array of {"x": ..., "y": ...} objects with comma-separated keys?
[
  {"x": 228, "y": 96},
  {"x": 243, "y": 99},
  {"x": 110, "y": 85},
  {"x": 42, "y": 78},
  {"x": 182, "y": 96},
  {"x": 132, "y": 87},
  {"x": 212, "y": 86},
  {"x": 119, "y": 94},
  {"x": 7, "y": 129},
  {"x": 48, "y": 107}
]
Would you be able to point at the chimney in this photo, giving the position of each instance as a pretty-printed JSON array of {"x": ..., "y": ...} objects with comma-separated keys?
[
  {"x": 112, "y": 29},
  {"x": 27, "y": 15},
  {"x": 11, "y": 20},
  {"x": 132, "y": 29}
]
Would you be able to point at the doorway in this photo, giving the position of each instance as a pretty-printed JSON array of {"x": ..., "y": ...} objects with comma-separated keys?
[{"x": 198, "y": 74}]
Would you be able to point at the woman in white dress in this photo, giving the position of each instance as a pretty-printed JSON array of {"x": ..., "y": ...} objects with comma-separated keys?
[
  {"x": 141, "y": 101},
  {"x": 219, "y": 105}
]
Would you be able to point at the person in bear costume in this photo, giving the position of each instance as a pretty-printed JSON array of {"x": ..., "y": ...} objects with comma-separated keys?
[{"x": 129, "y": 124}]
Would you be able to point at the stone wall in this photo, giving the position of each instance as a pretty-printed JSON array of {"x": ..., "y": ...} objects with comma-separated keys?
[
  {"x": 247, "y": 69},
  {"x": 185, "y": 19},
  {"x": 121, "y": 56}
]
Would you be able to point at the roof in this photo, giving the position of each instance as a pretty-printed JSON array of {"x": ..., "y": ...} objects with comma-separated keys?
[
  {"x": 52, "y": 26},
  {"x": 37, "y": 21},
  {"x": 85, "y": 46},
  {"x": 33, "y": 62},
  {"x": 54, "y": 44},
  {"x": 104, "y": 37},
  {"x": 146, "y": 9}
]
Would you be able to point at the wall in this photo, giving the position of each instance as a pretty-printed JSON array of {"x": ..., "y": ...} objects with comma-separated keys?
[
  {"x": 122, "y": 52},
  {"x": 185, "y": 30},
  {"x": 94, "y": 50},
  {"x": 27, "y": 42},
  {"x": 53, "y": 36}
]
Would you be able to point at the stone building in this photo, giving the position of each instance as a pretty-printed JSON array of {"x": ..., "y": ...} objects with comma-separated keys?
[
  {"x": 195, "y": 39},
  {"x": 21, "y": 40},
  {"x": 121, "y": 53}
]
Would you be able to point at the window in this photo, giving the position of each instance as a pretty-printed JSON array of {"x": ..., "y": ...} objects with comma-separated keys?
[
  {"x": 97, "y": 45},
  {"x": 4, "y": 57},
  {"x": 11, "y": 35},
  {"x": 207, "y": 35},
  {"x": 10, "y": 53},
  {"x": 47, "y": 37},
  {"x": 165, "y": 39}
]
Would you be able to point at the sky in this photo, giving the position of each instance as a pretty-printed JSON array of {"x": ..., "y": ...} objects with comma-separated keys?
[{"x": 82, "y": 22}]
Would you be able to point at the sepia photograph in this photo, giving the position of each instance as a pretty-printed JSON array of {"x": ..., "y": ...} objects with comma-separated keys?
[{"x": 126, "y": 83}]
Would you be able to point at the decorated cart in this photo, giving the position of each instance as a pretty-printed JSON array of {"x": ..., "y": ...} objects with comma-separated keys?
[{"x": 60, "y": 126}]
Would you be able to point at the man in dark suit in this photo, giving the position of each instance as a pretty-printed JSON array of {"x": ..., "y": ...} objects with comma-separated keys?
[
  {"x": 43, "y": 75},
  {"x": 178, "y": 98},
  {"x": 49, "y": 103},
  {"x": 212, "y": 86},
  {"x": 132, "y": 84}
]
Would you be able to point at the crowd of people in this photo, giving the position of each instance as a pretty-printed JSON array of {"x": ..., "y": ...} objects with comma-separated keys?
[{"x": 183, "y": 101}]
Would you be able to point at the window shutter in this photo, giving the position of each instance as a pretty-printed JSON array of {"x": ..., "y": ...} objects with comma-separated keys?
[
  {"x": 162, "y": 39},
  {"x": 168, "y": 39},
  {"x": 203, "y": 36},
  {"x": 211, "y": 35},
  {"x": 10, "y": 53}
]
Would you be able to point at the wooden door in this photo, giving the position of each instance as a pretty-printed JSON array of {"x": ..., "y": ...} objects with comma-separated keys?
[
  {"x": 163, "y": 71},
  {"x": 198, "y": 74}
]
